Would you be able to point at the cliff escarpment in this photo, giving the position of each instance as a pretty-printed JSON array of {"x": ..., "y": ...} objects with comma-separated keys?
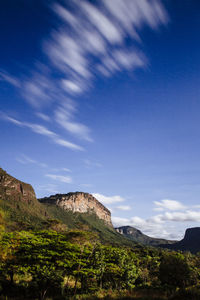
[{"x": 80, "y": 202}]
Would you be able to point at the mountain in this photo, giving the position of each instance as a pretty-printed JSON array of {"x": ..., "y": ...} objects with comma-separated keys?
[
  {"x": 10, "y": 187},
  {"x": 137, "y": 236},
  {"x": 18, "y": 204},
  {"x": 20, "y": 210},
  {"x": 190, "y": 242},
  {"x": 79, "y": 202}
]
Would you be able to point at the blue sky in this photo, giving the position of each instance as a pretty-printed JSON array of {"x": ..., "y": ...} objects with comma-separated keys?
[{"x": 103, "y": 97}]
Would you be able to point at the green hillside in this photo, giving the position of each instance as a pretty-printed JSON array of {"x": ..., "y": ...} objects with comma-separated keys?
[
  {"x": 87, "y": 222},
  {"x": 20, "y": 210},
  {"x": 18, "y": 204}
]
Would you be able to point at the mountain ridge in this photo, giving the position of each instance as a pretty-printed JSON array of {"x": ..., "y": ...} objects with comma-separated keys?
[
  {"x": 136, "y": 235},
  {"x": 20, "y": 210}
]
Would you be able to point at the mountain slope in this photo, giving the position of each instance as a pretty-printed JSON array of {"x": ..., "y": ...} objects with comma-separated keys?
[
  {"x": 137, "y": 236},
  {"x": 80, "y": 202},
  {"x": 88, "y": 222},
  {"x": 20, "y": 210},
  {"x": 19, "y": 204}
]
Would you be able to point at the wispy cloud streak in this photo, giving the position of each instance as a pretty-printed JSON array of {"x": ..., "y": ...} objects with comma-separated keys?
[
  {"x": 92, "y": 38},
  {"x": 42, "y": 130},
  {"x": 24, "y": 159},
  {"x": 61, "y": 178},
  {"x": 64, "y": 116},
  {"x": 9, "y": 79}
]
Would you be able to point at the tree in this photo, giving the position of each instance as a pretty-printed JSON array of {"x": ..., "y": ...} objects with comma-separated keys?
[{"x": 175, "y": 271}]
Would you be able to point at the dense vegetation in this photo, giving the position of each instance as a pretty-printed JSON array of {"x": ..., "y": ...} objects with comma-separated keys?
[
  {"x": 18, "y": 215},
  {"x": 70, "y": 264},
  {"x": 49, "y": 253}
]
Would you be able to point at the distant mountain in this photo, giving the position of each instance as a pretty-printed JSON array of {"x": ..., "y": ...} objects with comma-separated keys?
[
  {"x": 137, "y": 236},
  {"x": 190, "y": 242}
]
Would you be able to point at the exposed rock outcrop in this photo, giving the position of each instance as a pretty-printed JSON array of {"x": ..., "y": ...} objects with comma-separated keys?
[
  {"x": 80, "y": 202},
  {"x": 10, "y": 187}
]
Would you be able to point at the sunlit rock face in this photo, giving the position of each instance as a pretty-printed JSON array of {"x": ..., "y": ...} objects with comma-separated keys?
[
  {"x": 11, "y": 187},
  {"x": 80, "y": 202}
]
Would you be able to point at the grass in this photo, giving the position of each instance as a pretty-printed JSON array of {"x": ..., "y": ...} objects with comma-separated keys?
[{"x": 88, "y": 222}]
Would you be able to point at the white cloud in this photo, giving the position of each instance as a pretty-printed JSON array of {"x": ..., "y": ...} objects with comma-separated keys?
[
  {"x": 12, "y": 120},
  {"x": 91, "y": 164},
  {"x": 86, "y": 185},
  {"x": 67, "y": 54},
  {"x": 60, "y": 170},
  {"x": 132, "y": 15},
  {"x": 124, "y": 207},
  {"x": 71, "y": 86},
  {"x": 4, "y": 76},
  {"x": 108, "y": 199},
  {"x": 42, "y": 130},
  {"x": 92, "y": 38},
  {"x": 66, "y": 169},
  {"x": 156, "y": 225},
  {"x": 67, "y": 144},
  {"x": 168, "y": 204},
  {"x": 64, "y": 115},
  {"x": 50, "y": 188},
  {"x": 39, "y": 90},
  {"x": 118, "y": 221},
  {"x": 130, "y": 59},
  {"x": 43, "y": 116},
  {"x": 89, "y": 40},
  {"x": 121, "y": 59},
  {"x": 187, "y": 216},
  {"x": 61, "y": 178},
  {"x": 196, "y": 206},
  {"x": 149, "y": 226},
  {"x": 109, "y": 30},
  {"x": 24, "y": 159}
]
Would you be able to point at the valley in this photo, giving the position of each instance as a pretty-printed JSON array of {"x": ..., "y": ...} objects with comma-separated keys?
[{"x": 65, "y": 247}]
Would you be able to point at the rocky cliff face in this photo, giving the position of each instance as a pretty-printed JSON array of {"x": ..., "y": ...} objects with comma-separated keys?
[
  {"x": 80, "y": 202},
  {"x": 10, "y": 187}
]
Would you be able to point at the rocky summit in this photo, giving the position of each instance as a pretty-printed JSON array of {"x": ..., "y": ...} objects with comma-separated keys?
[{"x": 80, "y": 202}]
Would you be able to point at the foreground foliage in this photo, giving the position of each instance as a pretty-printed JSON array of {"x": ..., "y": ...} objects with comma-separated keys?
[{"x": 65, "y": 265}]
